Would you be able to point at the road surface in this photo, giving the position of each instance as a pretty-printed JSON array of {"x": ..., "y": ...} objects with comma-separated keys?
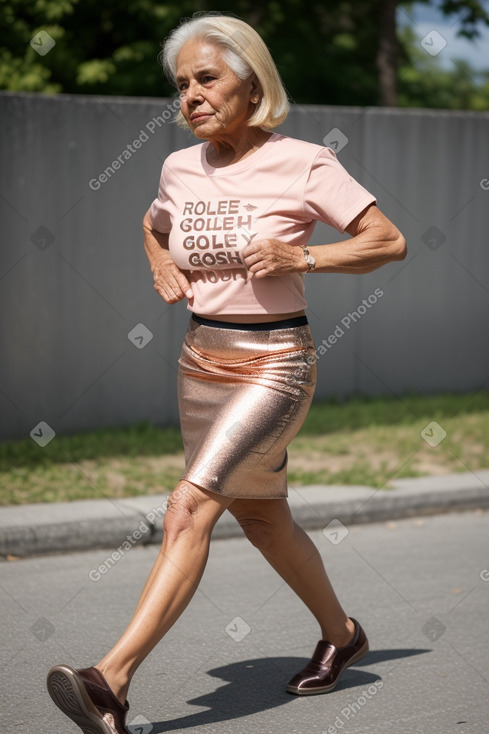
[{"x": 420, "y": 588}]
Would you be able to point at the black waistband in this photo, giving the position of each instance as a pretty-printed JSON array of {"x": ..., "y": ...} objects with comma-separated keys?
[{"x": 264, "y": 326}]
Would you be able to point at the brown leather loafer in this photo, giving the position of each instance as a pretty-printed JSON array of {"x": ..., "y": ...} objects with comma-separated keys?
[
  {"x": 322, "y": 672},
  {"x": 85, "y": 696}
]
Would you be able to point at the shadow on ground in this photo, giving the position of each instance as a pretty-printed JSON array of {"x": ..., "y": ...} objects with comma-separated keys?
[{"x": 259, "y": 684}]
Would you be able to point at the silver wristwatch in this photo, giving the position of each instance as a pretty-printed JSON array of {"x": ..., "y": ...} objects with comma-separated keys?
[{"x": 311, "y": 262}]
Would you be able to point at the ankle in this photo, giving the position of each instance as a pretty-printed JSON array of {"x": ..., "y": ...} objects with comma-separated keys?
[
  {"x": 117, "y": 681},
  {"x": 339, "y": 636}
]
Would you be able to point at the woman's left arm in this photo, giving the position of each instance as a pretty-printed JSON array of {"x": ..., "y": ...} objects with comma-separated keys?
[{"x": 374, "y": 241}]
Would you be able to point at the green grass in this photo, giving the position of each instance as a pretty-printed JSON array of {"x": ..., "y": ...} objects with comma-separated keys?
[
  {"x": 371, "y": 441},
  {"x": 362, "y": 412},
  {"x": 359, "y": 441},
  {"x": 138, "y": 440}
]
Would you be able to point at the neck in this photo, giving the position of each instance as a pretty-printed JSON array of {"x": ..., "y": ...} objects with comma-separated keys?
[{"x": 227, "y": 149}]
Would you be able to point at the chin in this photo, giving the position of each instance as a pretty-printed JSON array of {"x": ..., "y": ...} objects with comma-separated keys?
[
  {"x": 199, "y": 132},
  {"x": 203, "y": 131}
]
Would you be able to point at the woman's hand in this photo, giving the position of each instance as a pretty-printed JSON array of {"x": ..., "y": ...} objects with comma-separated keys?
[
  {"x": 169, "y": 281},
  {"x": 273, "y": 257}
]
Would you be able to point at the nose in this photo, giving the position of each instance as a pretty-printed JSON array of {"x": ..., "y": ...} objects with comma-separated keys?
[{"x": 193, "y": 93}]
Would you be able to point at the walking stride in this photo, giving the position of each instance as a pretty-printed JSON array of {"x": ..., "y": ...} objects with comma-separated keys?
[{"x": 229, "y": 232}]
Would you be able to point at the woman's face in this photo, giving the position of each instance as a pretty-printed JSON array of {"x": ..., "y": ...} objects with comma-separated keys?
[{"x": 214, "y": 102}]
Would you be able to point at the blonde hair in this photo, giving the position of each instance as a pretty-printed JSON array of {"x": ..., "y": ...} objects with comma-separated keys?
[{"x": 244, "y": 51}]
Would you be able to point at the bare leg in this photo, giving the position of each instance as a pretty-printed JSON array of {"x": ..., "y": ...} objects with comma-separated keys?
[
  {"x": 269, "y": 525},
  {"x": 190, "y": 518}
]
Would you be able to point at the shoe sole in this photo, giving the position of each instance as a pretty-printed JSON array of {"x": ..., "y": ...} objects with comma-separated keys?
[
  {"x": 68, "y": 692},
  {"x": 325, "y": 689}
]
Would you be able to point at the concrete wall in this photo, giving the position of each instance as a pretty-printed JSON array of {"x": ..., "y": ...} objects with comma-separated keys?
[{"x": 74, "y": 279}]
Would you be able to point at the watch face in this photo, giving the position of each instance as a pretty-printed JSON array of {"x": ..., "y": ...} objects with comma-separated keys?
[{"x": 310, "y": 261}]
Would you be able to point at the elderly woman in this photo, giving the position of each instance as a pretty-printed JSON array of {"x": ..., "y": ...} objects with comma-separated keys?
[{"x": 229, "y": 232}]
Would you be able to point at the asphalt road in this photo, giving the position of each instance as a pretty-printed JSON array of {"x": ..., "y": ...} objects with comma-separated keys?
[{"x": 419, "y": 587}]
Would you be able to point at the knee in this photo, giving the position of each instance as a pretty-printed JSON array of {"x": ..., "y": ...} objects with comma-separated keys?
[
  {"x": 183, "y": 504},
  {"x": 260, "y": 532}
]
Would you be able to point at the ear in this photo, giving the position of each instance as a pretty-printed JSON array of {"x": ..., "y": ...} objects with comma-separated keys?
[{"x": 256, "y": 90}]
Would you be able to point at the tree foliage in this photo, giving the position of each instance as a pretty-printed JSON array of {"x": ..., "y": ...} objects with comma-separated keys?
[
  {"x": 327, "y": 52},
  {"x": 424, "y": 83}
]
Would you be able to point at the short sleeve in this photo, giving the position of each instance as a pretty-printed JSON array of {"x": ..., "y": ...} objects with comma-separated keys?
[
  {"x": 331, "y": 195},
  {"x": 159, "y": 210}
]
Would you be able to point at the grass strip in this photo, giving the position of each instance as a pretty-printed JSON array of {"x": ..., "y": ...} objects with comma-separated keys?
[{"x": 361, "y": 440}]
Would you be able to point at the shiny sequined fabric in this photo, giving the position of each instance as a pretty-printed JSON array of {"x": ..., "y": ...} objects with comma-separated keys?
[{"x": 243, "y": 395}]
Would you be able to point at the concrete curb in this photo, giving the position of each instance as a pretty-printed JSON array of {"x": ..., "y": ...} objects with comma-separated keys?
[{"x": 27, "y": 530}]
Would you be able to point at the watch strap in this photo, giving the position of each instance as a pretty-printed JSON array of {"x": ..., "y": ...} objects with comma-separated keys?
[{"x": 311, "y": 262}]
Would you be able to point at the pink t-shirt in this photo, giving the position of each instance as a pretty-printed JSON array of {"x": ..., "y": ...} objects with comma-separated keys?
[{"x": 279, "y": 192}]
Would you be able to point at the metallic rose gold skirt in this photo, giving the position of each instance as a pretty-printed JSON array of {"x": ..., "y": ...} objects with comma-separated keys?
[{"x": 243, "y": 395}]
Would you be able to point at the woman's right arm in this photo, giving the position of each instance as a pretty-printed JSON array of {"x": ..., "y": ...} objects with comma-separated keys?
[{"x": 169, "y": 281}]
